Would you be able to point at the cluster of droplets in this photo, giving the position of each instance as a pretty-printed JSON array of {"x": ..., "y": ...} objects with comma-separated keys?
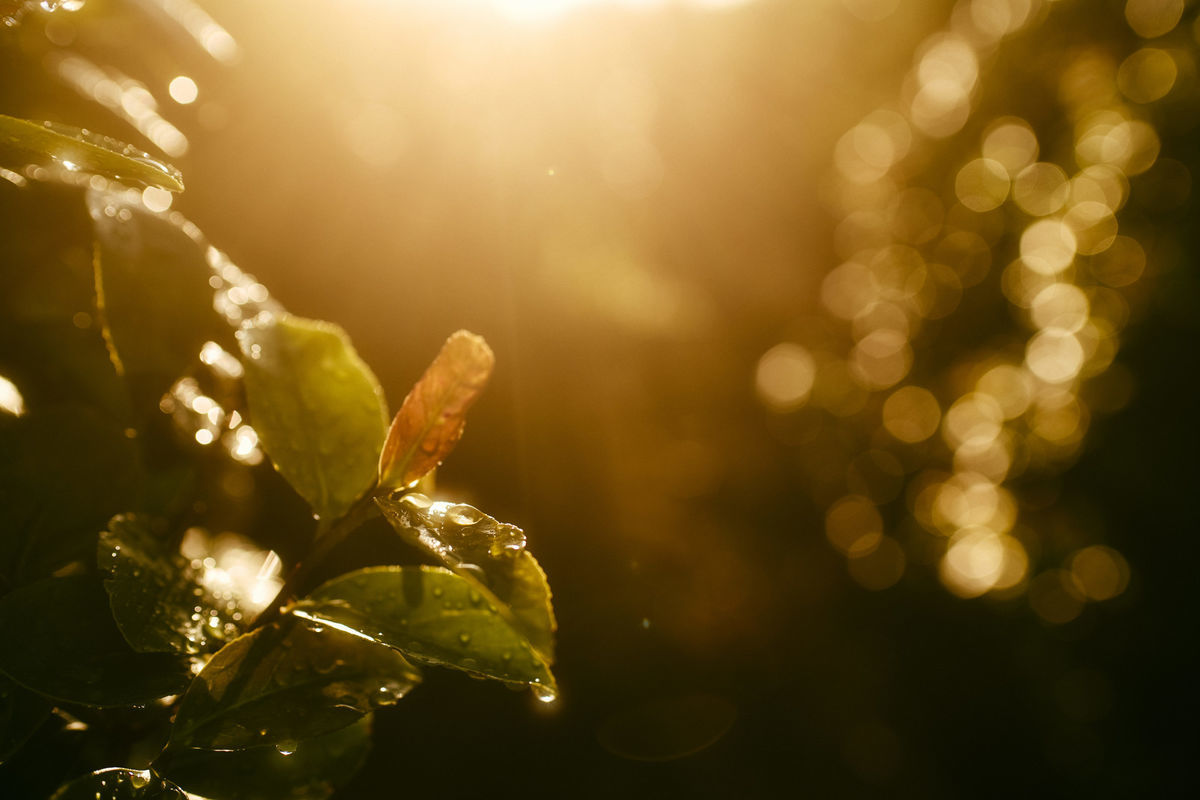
[
  {"x": 460, "y": 534},
  {"x": 234, "y": 579},
  {"x": 939, "y": 458},
  {"x": 74, "y": 162}
]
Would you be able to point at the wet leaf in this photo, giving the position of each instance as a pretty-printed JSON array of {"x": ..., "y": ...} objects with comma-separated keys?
[
  {"x": 433, "y": 615},
  {"x": 312, "y": 771},
  {"x": 75, "y": 151},
  {"x": 285, "y": 683},
  {"x": 478, "y": 547},
  {"x": 70, "y": 649},
  {"x": 21, "y": 712},
  {"x": 431, "y": 419},
  {"x": 118, "y": 783},
  {"x": 158, "y": 598},
  {"x": 65, "y": 470},
  {"x": 153, "y": 290},
  {"x": 317, "y": 407}
]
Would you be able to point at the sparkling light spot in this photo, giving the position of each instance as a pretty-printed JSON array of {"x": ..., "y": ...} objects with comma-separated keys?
[{"x": 183, "y": 90}]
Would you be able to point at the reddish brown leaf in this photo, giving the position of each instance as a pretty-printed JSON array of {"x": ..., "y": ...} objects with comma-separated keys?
[{"x": 430, "y": 421}]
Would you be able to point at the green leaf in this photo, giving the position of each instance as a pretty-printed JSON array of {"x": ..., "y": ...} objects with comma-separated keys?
[
  {"x": 478, "y": 547},
  {"x": 71, "y": 151},
  {"x": 153, "y": 289},
  {"x": 158, "y": 597},
  {"x": 431, "y": 419},
  {"x": 285, "y": 683},
  {"x": 432, "y": 615},
  {"x": 118, "y": 783},
  {"x": 21, "y": 713},
  {"x": 64, "y": 472},
  {"x": 312, "y": 771},
  {"x": 317, "y": 407},
  {"x": 71, "y": 651}
]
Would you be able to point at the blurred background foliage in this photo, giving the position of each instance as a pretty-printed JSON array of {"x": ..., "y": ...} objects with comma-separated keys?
[{"x": 845, "y": 358}]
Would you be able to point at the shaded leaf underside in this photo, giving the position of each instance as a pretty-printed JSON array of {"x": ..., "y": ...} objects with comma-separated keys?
[
  {"x": 286, "y": 683},
  {"x": 71, "y": 651},
  {"x": 309, "y": 771},
  {"x": 65, "y": 470}
]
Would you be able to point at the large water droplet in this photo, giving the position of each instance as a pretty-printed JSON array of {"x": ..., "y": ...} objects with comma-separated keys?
[
  {"x": 287, "y": 747},
  {"x": 388, "y": 694},
  {"x": 463, "y": 515},
  {"x": 543, "y": 693},
  {"x": 416, "y": 501}
]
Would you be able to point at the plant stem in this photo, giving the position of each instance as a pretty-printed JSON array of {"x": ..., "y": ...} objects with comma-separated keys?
[{"x": 362, "y": 511}]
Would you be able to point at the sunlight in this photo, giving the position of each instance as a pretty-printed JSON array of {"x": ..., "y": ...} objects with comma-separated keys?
[{"x": 535, "y": 12}]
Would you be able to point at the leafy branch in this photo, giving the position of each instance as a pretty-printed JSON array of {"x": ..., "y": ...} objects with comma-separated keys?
[{"x": 128, "y": 619}]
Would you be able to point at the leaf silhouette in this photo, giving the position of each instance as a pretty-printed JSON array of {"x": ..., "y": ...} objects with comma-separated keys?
[
  {"x": 71, "y": 651},
  {"x": 285, "y": 683},
  {"x": 309, "y": 771}
]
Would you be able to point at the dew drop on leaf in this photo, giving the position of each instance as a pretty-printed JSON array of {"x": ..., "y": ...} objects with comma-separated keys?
[{"x": 543, "y": 694}]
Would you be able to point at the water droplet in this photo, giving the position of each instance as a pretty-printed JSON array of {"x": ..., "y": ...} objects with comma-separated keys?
[
  {"x": 463, "y": 515},
  {"x": 287, "y": 747},
  {"x": 389, "y": 694},
  {"x": 543, "y": 694},
  {"x": 464, "y": 638},
  {"x": 416, "y": 501},
  {"x": 437, "y": 591}
]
